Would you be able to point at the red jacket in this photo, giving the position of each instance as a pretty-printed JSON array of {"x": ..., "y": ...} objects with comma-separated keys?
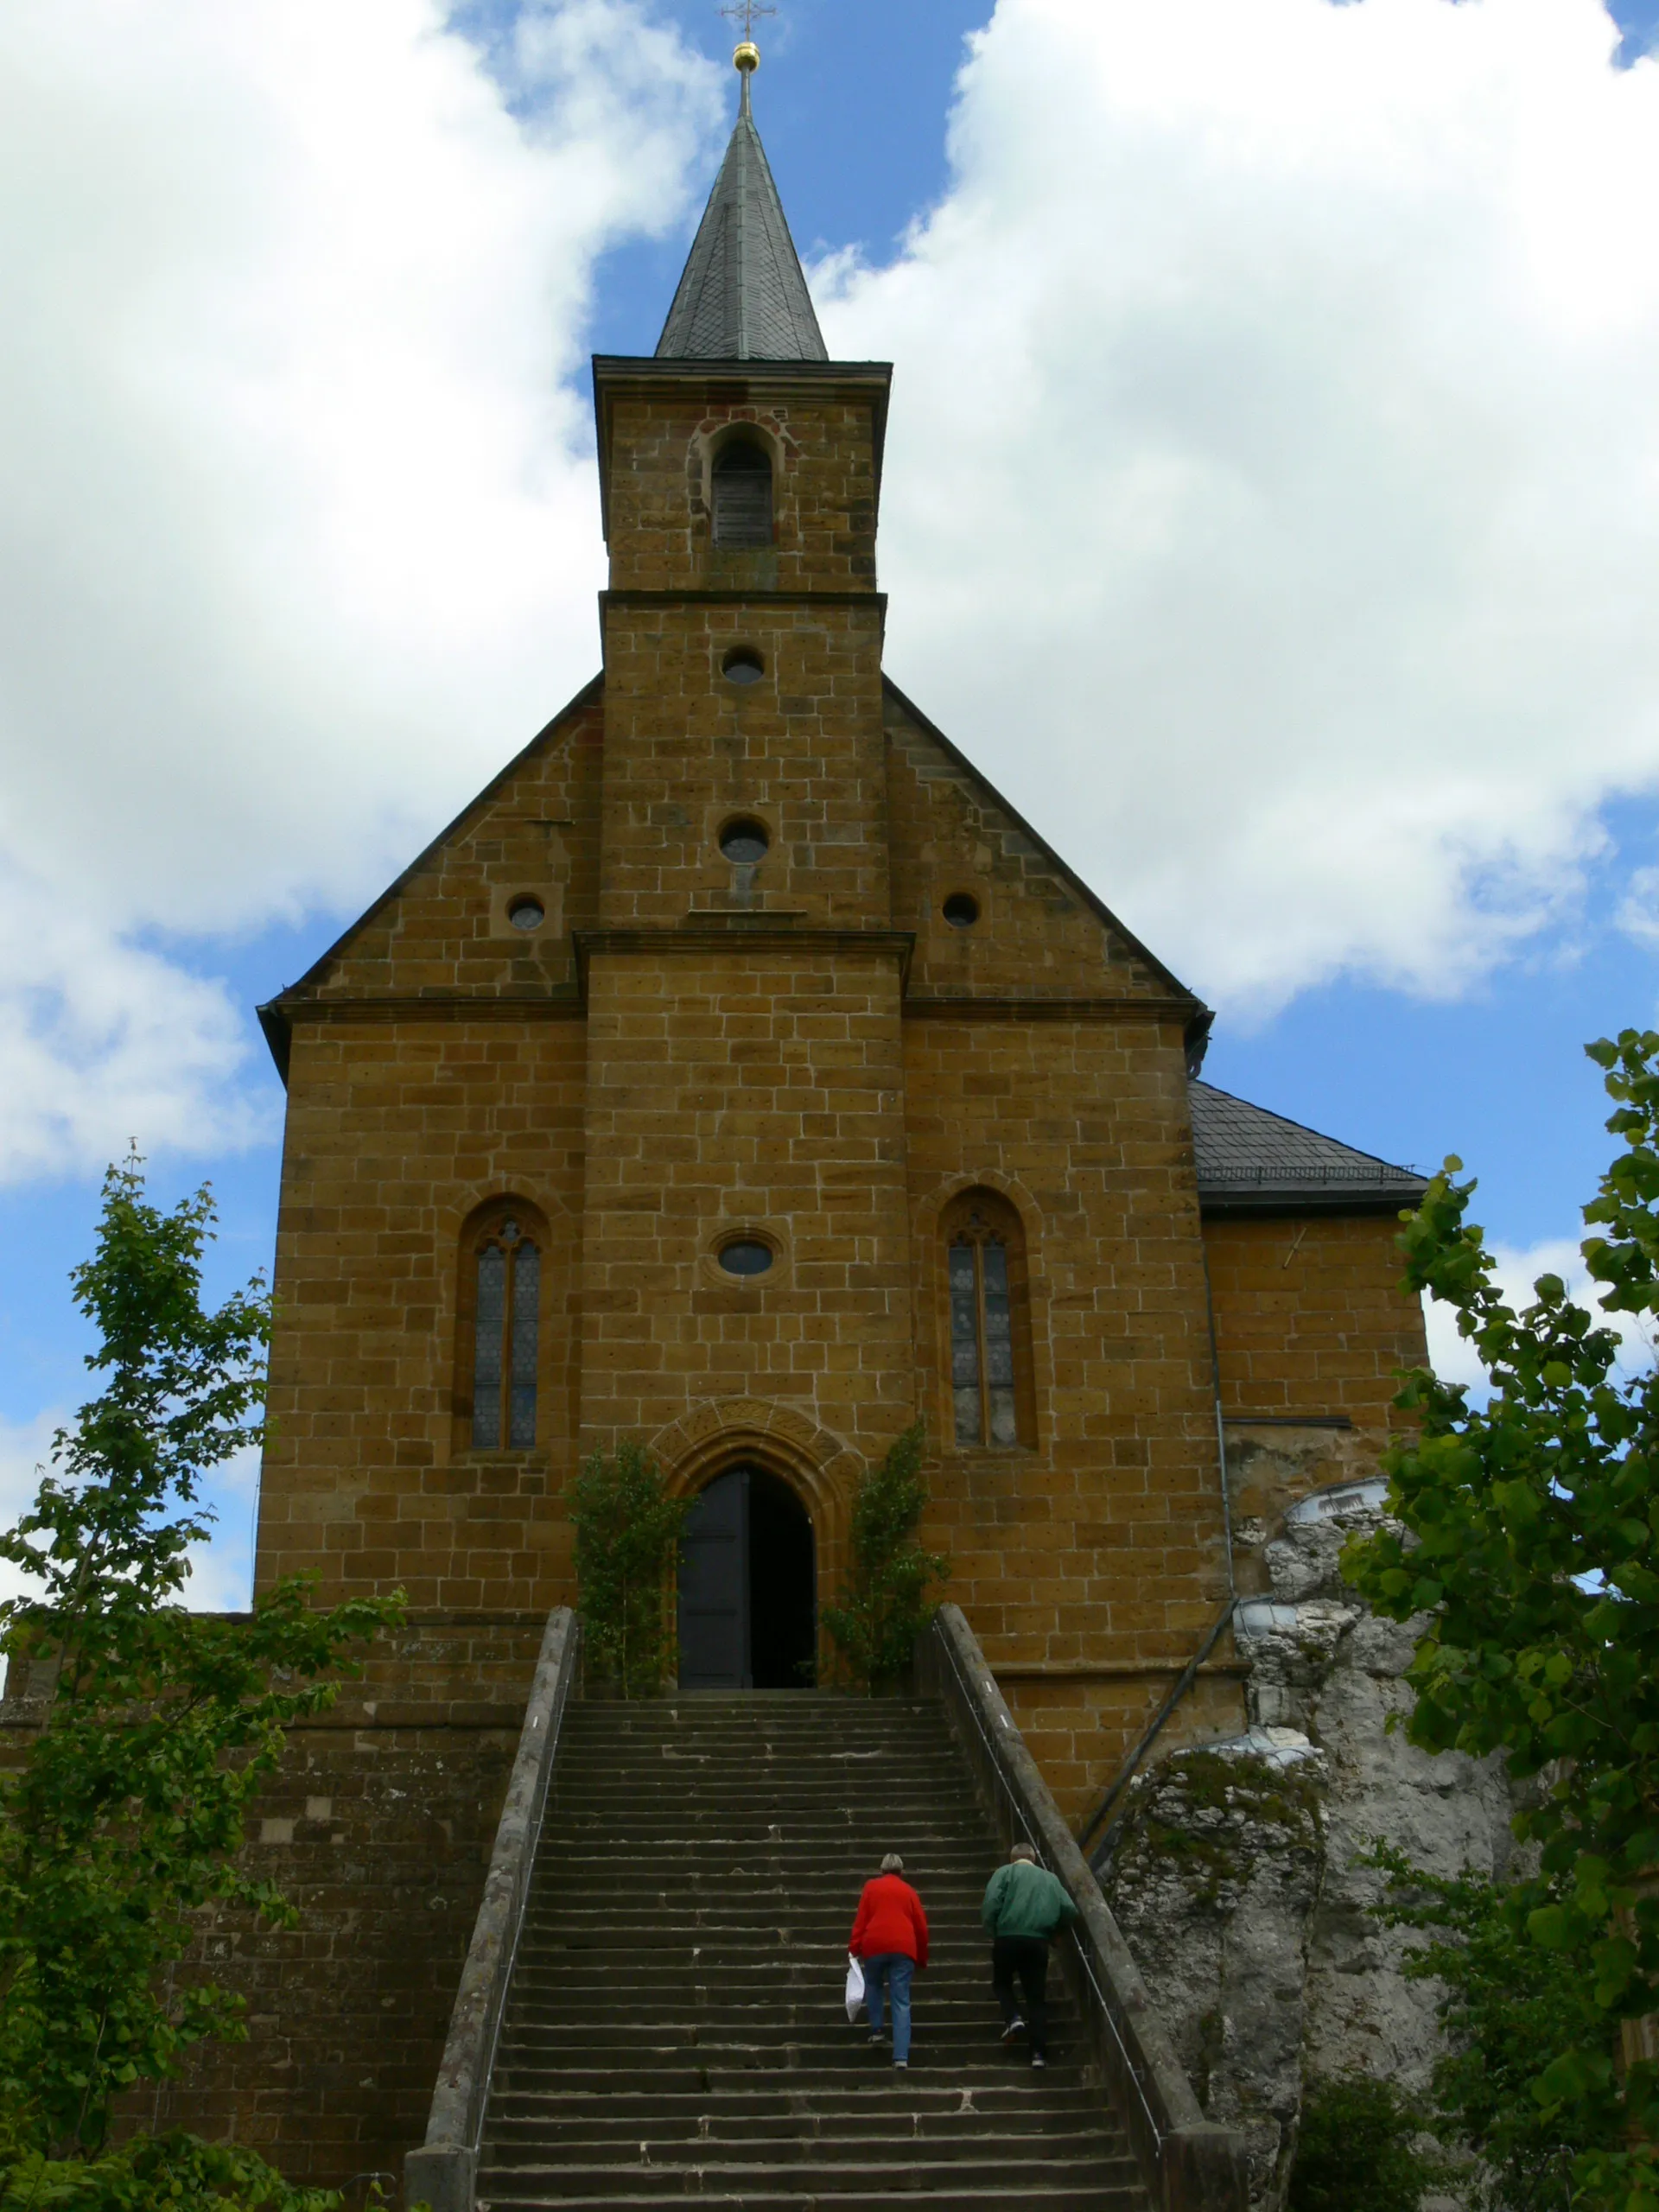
[{"x": 890, "y": 1918}]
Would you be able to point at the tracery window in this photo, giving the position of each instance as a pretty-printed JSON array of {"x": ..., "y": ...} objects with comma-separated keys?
[
  {"x": 507, "y": 1283},
  {"x": 989, "y": 1353},
  {"x": 742, "y": 494}
]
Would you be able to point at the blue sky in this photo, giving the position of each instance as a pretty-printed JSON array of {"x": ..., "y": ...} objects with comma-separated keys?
[{"x": 1409, "y": 1045}]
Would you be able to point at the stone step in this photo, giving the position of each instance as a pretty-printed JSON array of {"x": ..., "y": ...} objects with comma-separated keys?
[
  {"x": 824, "y": 1852},
  {"x": 828, "y": 1921},
  {"x": 713, "y": 1952},
  {"x": 675, "y": 2033},
  {"x": 530, "y": 2070},
  {"x": 535, "y": 2062},
  {"x": 856, "y": 1833},
  {"x": 762, "y": 2016},
  {"x": 874, "y": 2099},
  {"x": 832, "y": 2177},
  {"x": 953, "y": 2130},
  {"x": 1103, "y": 2159},
  {"x": 781, "y": 2191}
]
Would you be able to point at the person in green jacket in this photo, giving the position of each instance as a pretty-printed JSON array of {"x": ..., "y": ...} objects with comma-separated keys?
[{"x": 1025, "y": 1909}]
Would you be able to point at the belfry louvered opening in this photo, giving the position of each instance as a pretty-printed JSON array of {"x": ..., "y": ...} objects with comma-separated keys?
[{"x": 742, "y": 494}]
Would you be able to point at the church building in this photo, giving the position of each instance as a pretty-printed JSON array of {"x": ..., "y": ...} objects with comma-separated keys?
[{"x": 739, "y": 1074}]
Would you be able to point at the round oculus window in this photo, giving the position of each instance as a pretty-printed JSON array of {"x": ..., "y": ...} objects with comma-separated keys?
[
  {"x": 745, "y": 1256},
  {"x": 526, "y": 913},
  {"x": 742, "y": 665},
  {"x": 744, "y": 842},
  {"x": 961, "y": 909}
]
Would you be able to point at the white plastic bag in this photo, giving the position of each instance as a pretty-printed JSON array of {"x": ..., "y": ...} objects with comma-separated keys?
[{"x": 855, "y": 1987}]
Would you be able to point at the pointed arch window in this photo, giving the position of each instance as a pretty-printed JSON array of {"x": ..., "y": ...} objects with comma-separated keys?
[
  {"x": 506, "y": 1262},
  {"x": 742, "y": 494},
  {"x": 990, "y": 1348}
]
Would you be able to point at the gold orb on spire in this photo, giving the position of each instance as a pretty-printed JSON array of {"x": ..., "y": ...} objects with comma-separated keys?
[{"x": 748, "y": 57}]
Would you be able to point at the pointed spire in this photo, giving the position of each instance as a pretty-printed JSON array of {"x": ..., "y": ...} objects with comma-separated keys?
[{"x": 742, "y": 296}]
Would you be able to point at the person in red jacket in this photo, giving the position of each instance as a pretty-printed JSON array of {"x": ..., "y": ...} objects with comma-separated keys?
[{"x": 889, "y": 1941}]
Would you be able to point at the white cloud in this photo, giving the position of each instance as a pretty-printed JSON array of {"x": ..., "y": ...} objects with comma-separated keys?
[
  {"x": 106, "y": 1041},
  {"x": 298, "y": 533},
  {"x": 1271, "y": 496},
  {"x": 1638, "y": 914},
  {"x": 1272, "y": 499},
  {"x": 1453, "y": 1359}
]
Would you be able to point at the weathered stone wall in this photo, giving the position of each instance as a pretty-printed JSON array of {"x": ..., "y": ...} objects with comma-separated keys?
[
  {"x": 658, "y": 437},
  {"x": 379, "y": 1827},
  {"x": 1309, "y": 1318},
  {"x": 800, "y": 750},
  {"x": 396, "y": 1131}
]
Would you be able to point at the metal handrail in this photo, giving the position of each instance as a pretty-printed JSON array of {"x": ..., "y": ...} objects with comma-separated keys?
[
  {"x": 1189, "y": 2165},
  {"x": 443, "y": 2173}
]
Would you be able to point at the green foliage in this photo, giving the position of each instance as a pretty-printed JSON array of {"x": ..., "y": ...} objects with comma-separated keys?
[
  {"x": 1356, "y": 2151},
  {"x": 1510, "y": 2008},
  {"x": 125, "y": 1817},
  {"x": 1530, "y": 1535},
  {"x": 167, "y": 2173},
  {"x": 875, "y": 1626},
  {"x": 627, "y": 1547}
]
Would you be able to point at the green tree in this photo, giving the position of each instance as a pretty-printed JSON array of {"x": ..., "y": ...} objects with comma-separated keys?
[
  {"x": 125, "y": 1817},
  {"x": 886, "y": 1606},
  {"x": 1507, "y": 2005},
  {"x": 1528, "y": 1531},
  {"x": 628, "y": 1546},
  {"x": 1357, "y": 2149}
]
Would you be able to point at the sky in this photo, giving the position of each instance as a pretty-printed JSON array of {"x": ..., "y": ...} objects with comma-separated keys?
[{"x": 1272, "y": 509}]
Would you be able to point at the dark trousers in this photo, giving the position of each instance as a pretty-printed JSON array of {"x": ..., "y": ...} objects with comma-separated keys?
[{"x": 1025, "y": 1956}]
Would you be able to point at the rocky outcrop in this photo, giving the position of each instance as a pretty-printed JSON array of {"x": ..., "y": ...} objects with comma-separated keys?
[
  {"x": 1214, "y": 1880},
  {"x": 1233, "y": 1870}
]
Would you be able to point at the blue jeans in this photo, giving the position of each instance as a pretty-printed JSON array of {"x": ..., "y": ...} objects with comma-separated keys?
[{"x": 890, "y": 1971}]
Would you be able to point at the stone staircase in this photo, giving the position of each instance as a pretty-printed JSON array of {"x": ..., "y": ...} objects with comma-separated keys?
[{"x": 675, "y": 2033}]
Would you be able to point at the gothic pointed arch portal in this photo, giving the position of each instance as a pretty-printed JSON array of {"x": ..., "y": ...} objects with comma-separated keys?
[{"x": 748, "y": 1584}]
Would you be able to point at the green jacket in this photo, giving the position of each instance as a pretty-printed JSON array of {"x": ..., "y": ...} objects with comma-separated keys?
[{"x": 1020, "y": 1899}]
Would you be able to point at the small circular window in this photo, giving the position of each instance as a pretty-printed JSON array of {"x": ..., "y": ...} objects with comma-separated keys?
[
  {"x": 745, "y": 842},
  {"x": 961, "y": 909},
  {"x": 526, "y": 913},
  {"x": 745, "y": 1256},
  {"x": 742, "y": 665}
]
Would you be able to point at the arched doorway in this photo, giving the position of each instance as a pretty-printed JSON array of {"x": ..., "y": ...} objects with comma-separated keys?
[{"x": 748, "y": 1586}]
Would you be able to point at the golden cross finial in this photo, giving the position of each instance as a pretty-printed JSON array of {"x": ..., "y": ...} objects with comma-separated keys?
[{"x": 745, "y": 11}]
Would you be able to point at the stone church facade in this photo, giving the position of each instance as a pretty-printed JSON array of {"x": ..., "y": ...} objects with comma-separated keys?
[{"x": 740, "y": 1074}]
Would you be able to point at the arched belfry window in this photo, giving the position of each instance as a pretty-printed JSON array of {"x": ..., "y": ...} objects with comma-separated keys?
[
  {"x": 506, "y": 1260},
  {"x": 990, "y": 1344},
  {"x": 742, "y": 493}
]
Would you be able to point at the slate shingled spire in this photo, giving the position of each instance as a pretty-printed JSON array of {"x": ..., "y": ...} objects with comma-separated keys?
[{"x": 742, "y": 296}]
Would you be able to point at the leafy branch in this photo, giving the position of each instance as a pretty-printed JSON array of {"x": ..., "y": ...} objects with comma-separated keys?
[
  {"x": 887, "y": 1604},
  {"x": 124, "y": 1820},
  {"x": 628, "y": 1546},
  {"x": 1527, "y": 1530}
]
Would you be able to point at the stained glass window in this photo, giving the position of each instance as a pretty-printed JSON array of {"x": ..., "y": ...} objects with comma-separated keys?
[
  {"x": 983, "y": 1381},
  {"x": 505, "y": 1338}
]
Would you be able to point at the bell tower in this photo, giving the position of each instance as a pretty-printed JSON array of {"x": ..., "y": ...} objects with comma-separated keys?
[{"x": 743, "y": 987}]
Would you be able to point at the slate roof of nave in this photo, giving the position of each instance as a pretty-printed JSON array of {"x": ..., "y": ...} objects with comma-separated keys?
[{"x": 1250, "y": 1160}]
